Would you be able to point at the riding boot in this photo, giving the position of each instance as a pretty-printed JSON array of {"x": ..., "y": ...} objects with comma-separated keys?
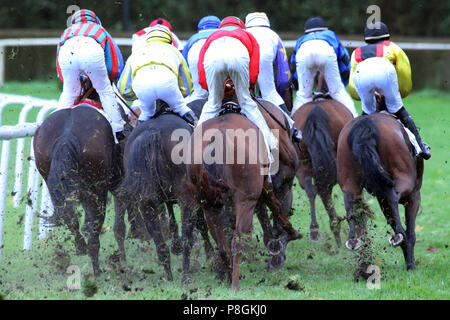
[
  {"x": 408, "y": 122},
  {"x": 191, "y": 118}
]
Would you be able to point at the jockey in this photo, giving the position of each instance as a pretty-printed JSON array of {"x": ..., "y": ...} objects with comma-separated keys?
[
  {"x": 321, "y": 50},
  {"x": 383, "y": 66},
  {"x": 191, "y": 51},
  {"x": 139, "y": 38},
  {"x": 87, "y": 48},
  {"x": 232, "y": 52},
  {"x": 157, "y": 71},
  {"x": 272, "y": 55}
]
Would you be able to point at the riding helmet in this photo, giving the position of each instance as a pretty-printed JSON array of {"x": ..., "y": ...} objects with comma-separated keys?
[
  {"x": 232, "y": 21},
  {"x": 208, "y": 22},
  {"x": 257, "y": 19},
  {"x": 85, "y": 15},
  {"x": 315, "y": 24},
  {"x": 376, "y": 31},
  {"x": 159, "y": 33},
  {"x": 161, "y": 21}
]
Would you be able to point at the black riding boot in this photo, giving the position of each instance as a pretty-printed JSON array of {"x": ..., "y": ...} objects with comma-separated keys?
[
  {"x": 408, "y": 122},
  {"x": 191, "y": 118}
]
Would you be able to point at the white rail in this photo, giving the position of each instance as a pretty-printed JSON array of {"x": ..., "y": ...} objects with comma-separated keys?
[{"x": 20, "y": 131}]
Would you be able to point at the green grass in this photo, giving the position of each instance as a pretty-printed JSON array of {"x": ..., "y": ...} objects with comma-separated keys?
[{"x": 320, "y": 274}]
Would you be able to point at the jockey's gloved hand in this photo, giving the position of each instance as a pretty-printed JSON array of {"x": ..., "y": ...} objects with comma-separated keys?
[{"x": 191, "y": 118}]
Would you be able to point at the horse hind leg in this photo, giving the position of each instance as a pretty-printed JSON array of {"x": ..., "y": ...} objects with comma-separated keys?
[
  {"x": 244, "y": 217},
  {"x": 95, "y": 209},
  {"x": 202, "y": 227},
  {"x": 389, "y": 206},
  {"x": 314, "y": 234},
  {"x": 411, "y": 208},
  {"x": 177, "y": 245},
  {"x": 335, "y": 221},
  {"x": 119, "y": 227},
  {"x": 66, "y": 215},
  {"x": 151, "y": 215}
]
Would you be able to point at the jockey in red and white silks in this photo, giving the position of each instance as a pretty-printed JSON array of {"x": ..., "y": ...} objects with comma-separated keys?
[
  {"x": 320, "y": 50},
  {"x": 157, "y": 71},
  {"x": 87, "y": 48},
  {"x": 232, "y": 52}
]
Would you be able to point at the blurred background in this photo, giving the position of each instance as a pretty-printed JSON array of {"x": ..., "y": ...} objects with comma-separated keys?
[{"x": 409, "y": 21}]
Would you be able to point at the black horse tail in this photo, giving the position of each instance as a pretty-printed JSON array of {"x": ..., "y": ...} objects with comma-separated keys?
[
  {"x": 144, "y": 169},
  {"x": 362, "y": 140},
  {"x": 317, "y": 135},
  {"x": 63, "y": 180}
]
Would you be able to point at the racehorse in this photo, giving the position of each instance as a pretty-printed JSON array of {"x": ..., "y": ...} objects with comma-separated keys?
[
  {"x": 321, "y": 122},
  {"x": 76, "y": 155},
  {"x": 153, "y": 180},
  {"x": 374, "y": 153},
  {"x": 234, "y": 177}
]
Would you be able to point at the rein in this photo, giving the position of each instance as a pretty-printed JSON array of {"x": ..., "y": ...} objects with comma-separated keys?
[{"x": 270, "y": 114}]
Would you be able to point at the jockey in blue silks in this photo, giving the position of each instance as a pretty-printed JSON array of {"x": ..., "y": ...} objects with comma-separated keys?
[
  {"x": 191, "y": 52},
  {"x": 321, "y": 50}
]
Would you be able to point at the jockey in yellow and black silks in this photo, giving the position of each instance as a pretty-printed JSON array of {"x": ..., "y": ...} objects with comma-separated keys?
[{"x": 383, "y": 66}]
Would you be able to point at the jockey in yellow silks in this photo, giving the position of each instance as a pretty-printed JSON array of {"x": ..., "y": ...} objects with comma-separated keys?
[
  {"x": 383, "y": 66},
  {"x": 157, "y": 71}
]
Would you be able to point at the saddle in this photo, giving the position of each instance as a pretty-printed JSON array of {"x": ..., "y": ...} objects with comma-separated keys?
[
  {"x": 230, "y": 107},
  {"x": 317, "y": 96}
]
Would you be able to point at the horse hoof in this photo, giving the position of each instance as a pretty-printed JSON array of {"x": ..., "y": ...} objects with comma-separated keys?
[
  {"x": 353, "y": 244},
  {"x": 276, "y": 262},
  {"x": 396, "y": 240},
  {"x": 314, "y": 235},
  {"x": 185, "y": 279},
  {"x": 275, "y": 247},
  {"x": 176, "y": 248}
]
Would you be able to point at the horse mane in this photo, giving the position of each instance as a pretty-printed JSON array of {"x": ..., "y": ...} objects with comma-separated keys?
[{"x": 363, "y": 140}]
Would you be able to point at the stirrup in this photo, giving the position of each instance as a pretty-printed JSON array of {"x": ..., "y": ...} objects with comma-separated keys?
[{"x": 425, "y": 153}]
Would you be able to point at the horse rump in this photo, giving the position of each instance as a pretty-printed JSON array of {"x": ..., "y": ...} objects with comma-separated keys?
[
  {"x": 143, "y": 167},
  {"x": 362, "y": 140}
]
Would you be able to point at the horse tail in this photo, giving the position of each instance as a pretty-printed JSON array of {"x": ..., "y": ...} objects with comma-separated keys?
[
  {"x": 362, "y": 140},
  {"x": 63, "y": 180},
  {"x": 211, "y": 190},
  {"x": 317, "y": 135},
  {"x": 143, "y": 175}
]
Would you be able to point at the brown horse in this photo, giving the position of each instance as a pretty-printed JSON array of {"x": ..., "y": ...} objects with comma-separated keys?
[
  {"x": 226, "y": 178},
  {"x": 321, "y": 122},
  {"x": 76, "y": 155},
  {"x": 374, "y": 153}
]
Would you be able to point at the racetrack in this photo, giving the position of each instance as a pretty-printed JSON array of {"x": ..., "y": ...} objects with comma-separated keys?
[{"x": 321, "y": 270}]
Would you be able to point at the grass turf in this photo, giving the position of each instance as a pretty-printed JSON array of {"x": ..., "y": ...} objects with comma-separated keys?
[{"x": 320, "y": 270}]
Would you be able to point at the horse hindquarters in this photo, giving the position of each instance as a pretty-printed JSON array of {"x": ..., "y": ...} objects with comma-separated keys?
[
  {"x": 321, "y": 149},
  {"x": 63, "y": 183}
]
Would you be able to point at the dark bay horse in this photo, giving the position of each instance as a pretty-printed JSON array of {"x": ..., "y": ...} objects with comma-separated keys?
[
  {"x": 154, "y": 180},
  {"x": 374, "y": 153},
  {"x": 321, "y": 122},
  {"x": 234, "y": 177},
  {"x": 76, "y": 155}
]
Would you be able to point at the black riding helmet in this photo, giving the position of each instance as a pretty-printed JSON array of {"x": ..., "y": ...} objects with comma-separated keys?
[
  {"x": 375, "y": 32},
  {"x": 315, "y": 24}
]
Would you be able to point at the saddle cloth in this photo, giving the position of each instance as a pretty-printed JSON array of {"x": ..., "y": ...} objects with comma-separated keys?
[{"x": 411, "y": 136}]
